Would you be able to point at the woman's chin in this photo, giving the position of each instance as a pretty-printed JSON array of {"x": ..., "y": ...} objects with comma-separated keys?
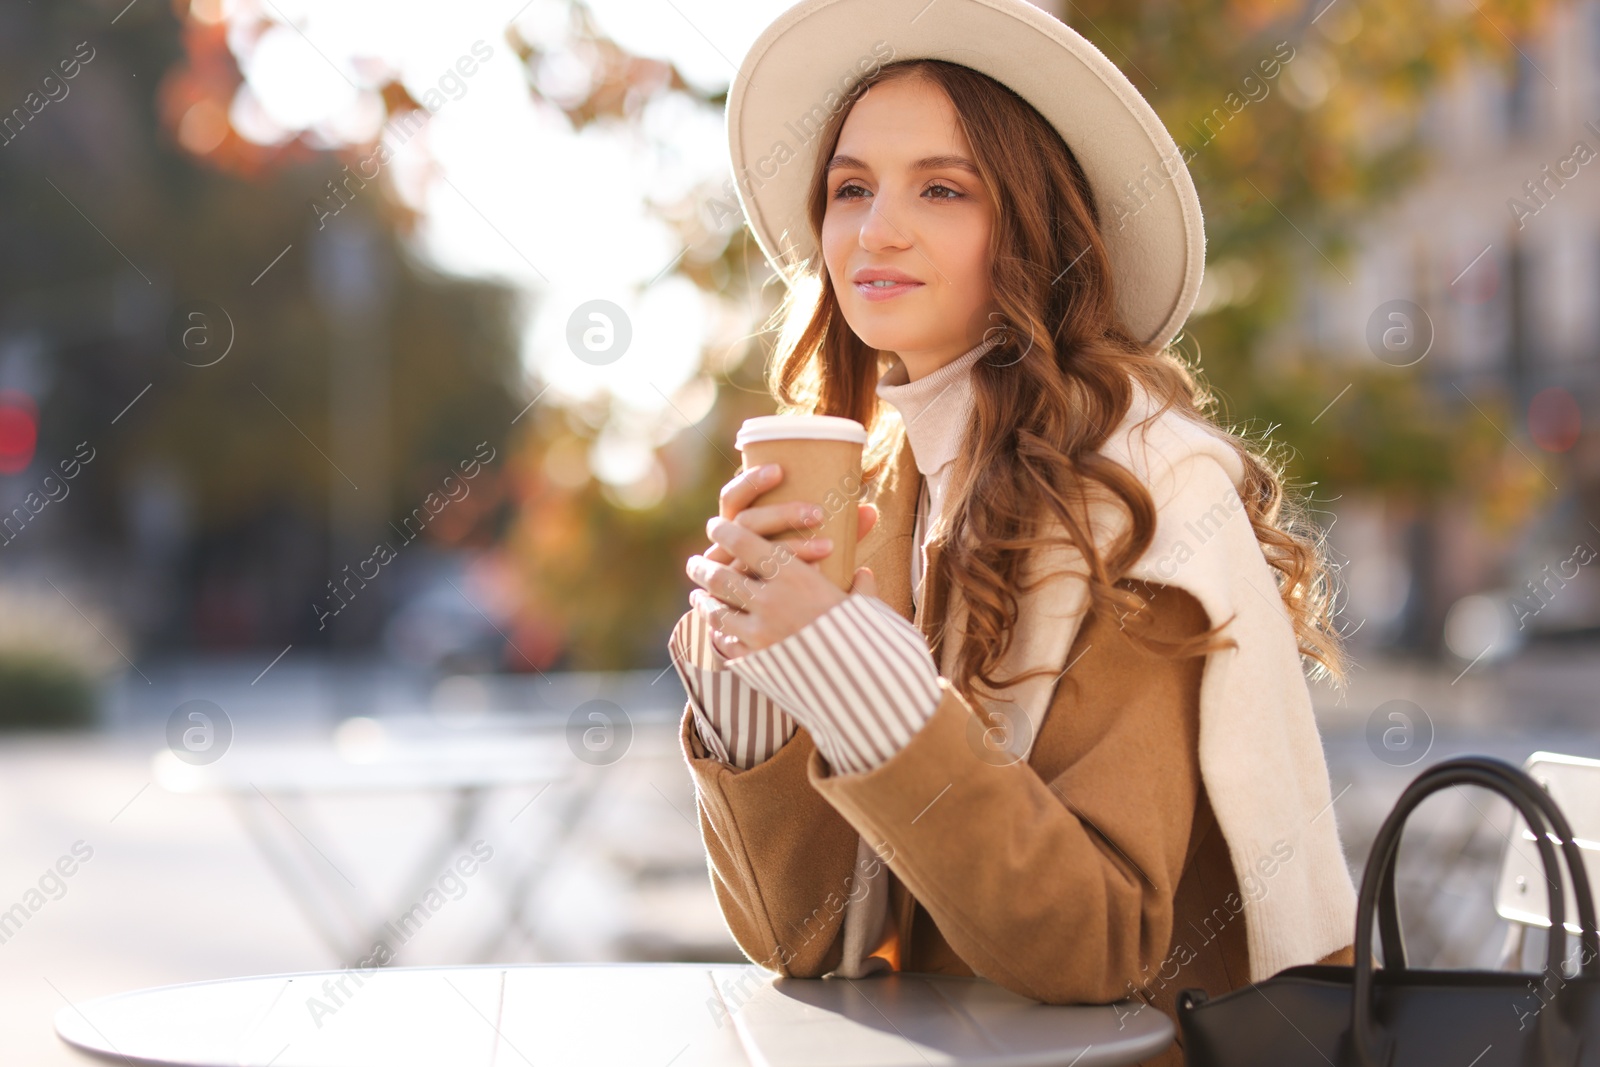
[
  {"x": 885, "y": 343},
  {"x": 884, "y": 336}
]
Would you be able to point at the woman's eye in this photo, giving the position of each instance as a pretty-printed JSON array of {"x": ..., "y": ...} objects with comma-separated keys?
[{"x": 852, "y": 190}]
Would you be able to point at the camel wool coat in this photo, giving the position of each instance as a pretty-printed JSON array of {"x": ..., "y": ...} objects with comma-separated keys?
[{"x": 1091, "y": 872}]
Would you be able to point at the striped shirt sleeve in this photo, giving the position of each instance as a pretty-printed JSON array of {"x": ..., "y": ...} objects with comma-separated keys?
[
  {"x": 859, "y": 677},
  {"x": 736, "y": 721}
]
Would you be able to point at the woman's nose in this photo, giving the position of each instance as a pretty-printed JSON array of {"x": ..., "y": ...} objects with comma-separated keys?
[{"x": 883, "y": 229}]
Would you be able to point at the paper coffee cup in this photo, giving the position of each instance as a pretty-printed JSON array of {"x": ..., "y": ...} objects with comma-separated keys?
[{"x": 821, "y": 460}]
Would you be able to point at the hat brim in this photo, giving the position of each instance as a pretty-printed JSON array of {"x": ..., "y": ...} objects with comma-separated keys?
[{"x": 802, "y": 67}]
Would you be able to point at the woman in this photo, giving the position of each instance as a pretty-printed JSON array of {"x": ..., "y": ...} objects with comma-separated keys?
[{"x": 1057, "y": 734}]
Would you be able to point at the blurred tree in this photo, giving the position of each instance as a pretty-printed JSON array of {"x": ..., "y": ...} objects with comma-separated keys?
[{"x": 127, "y": 201}]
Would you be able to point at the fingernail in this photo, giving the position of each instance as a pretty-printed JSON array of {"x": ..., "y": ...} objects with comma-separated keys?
[
  {"x": 823, "y": 544},
  {"x": 769, "y": 472},
  {"x": 814, "y": 514}
]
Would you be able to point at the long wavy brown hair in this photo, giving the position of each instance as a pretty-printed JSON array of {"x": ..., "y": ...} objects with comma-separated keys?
[{"x": 1038, "y": 421}]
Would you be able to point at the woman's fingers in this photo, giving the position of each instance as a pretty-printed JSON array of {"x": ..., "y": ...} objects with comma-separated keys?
[
  {"x": 730, "y": 647},
  {"x": 745, "y": 486},
  {"x": 730, "y": 629},
  {"x": 749, "y": 545},
  {"x": 867, "y": 520},
  {"x": 806, "y": 549},
  {"x": 769, "y": 519},
  {"x": 759, "y": 556},
  {"x": 735, "y": 504},
  {"x": 732, "y": 587},
  {"x": 717, "y": 613},
  {"x": 754, "y": 561},
  {"x": 761, "y": 595}
]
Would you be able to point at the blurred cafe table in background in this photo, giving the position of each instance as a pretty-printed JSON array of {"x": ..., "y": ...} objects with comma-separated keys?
[
  {"x": 584, "y": 1015},
  {"x": 267, "y": 783}
]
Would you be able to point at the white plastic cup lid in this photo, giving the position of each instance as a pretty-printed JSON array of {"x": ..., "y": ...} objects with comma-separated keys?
[{"x": 788, "y": 427}]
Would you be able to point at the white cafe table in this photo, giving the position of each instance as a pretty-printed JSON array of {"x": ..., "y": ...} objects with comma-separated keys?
[
  {"x": 582, "y": 1015},
  {"x": 399, "y": 754}
]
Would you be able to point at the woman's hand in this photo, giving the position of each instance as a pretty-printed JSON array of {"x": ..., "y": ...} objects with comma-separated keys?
[{"x": 755, "y": 591}]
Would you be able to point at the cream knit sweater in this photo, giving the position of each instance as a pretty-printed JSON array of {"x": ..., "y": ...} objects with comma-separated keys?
[{"x": 935, "y": 409}]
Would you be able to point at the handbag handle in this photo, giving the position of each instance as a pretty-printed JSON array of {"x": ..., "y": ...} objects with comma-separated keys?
[
  {"x": 1511, "y": 783},
  {"x": 1394, "y": 949}
]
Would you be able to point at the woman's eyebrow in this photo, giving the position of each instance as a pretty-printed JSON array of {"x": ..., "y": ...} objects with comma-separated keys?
[
  {"x": 947, "y": 162},
  {"x": 952, "y": 162}
]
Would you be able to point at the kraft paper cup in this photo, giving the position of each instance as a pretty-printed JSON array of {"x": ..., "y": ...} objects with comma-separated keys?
[{"x": 821, "y": 460}]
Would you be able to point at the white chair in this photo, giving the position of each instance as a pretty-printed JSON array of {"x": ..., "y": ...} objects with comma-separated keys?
[{"x": 1520, "y": 896}]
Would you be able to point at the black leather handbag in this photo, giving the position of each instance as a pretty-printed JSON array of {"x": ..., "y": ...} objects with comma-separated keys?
[{"x": 1336, "y": 1016}]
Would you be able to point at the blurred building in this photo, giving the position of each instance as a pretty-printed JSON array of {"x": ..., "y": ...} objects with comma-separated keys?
[{"x": 1498, "y": 250}]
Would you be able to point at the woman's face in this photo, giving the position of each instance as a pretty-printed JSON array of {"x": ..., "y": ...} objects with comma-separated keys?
[{"x": 905, "y": 201}]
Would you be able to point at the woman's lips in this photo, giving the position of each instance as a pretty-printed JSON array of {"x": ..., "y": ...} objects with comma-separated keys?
[{"x": 870, "y": 291}]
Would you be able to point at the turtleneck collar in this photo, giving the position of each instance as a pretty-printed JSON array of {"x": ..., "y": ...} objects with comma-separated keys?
[{"x": 935, "y": 407}]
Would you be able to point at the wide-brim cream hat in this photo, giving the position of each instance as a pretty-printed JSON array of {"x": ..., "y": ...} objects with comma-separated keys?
[{"x": 805, "y": 65}]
